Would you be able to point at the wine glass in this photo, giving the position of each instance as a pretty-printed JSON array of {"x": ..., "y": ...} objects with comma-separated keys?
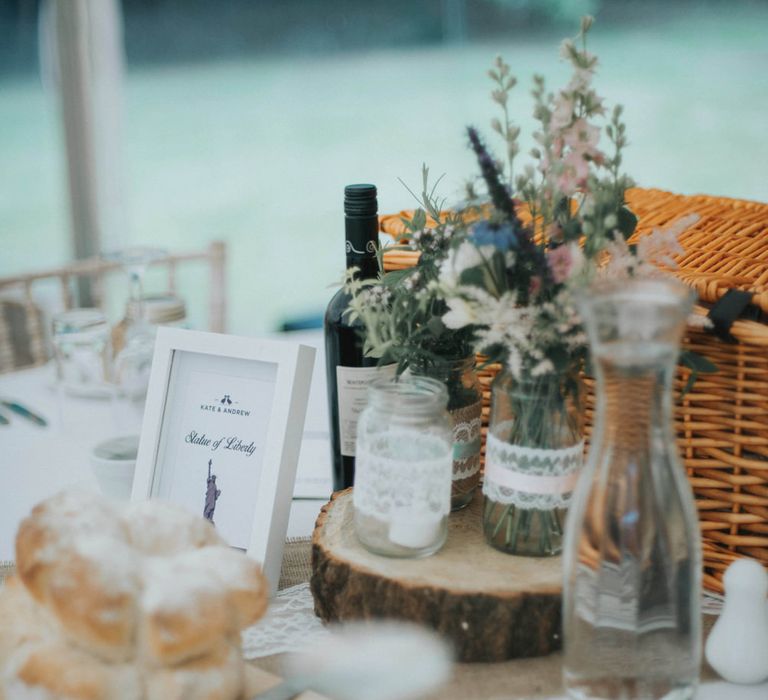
[
  {"x": 134, "y": 360},
  {"x": 135, "y": 260}
]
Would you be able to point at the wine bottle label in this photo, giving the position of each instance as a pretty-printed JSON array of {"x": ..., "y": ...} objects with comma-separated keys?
[{"x": 352, "y": 385}]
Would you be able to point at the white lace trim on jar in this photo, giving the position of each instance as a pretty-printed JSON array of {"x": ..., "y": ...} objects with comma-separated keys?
[
  {"x": 530, "y": 477},
  {"x": 403, "y": 484}
]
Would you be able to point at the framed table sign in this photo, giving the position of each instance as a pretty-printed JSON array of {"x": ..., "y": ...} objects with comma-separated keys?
[{"x": 222, "y": 431}]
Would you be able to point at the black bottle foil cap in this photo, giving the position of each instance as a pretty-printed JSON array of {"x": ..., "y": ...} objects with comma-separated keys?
[
  {"x": 360, "y": 200},
  {"x": 361, "y": 224}
]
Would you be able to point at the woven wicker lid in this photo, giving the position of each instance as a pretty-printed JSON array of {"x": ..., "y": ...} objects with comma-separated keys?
[{"x": 727, "y": 248}]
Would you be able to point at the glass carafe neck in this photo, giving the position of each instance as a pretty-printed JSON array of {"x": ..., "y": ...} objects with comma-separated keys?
[
  {"x": 635, "y": 327},
  {"x": 635, "y": 403}
]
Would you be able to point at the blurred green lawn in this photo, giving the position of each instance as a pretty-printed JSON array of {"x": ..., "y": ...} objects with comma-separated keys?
[{"x": 257, "y": 151}]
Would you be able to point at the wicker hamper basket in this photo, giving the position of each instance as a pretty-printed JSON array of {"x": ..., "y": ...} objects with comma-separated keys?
[{"x": 722, "y": 423}]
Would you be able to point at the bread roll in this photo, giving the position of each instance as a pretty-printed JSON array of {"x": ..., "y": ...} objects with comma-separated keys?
[
  {"x": 238, "y": 577},
  {"x": 218, "y": 675},
  {"x": 55, "y": 670},
  {"x": 93, "y": 595},
  {"x": 72, "y": 557},
  {"x": 47, "y": 535},
  {"x": 23, "y": 620},
  {"x": 125, "y": 603},
  {"x": 184, "y": 612}
]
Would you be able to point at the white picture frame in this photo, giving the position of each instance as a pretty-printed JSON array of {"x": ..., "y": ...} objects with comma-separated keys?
[{"x": 275, "y": 377}]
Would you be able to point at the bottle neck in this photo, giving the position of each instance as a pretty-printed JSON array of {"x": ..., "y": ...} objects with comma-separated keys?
[{"x": 362, "y": 236}]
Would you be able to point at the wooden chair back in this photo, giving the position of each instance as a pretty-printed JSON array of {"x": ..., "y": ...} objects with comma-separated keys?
[{"x": 22, "y": 324}]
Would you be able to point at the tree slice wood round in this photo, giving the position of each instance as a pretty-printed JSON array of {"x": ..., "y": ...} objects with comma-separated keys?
[{"x": 493, "y": 606}]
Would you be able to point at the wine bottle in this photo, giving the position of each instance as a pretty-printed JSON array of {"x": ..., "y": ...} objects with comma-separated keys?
[{"x": 347, "y": 369}]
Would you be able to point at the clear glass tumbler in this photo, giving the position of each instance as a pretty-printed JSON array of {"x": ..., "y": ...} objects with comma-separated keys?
[
  {"x": 632, "y": 552},
  {"x": 403, "y": 466},
  {"x": 82, "y": 352}
]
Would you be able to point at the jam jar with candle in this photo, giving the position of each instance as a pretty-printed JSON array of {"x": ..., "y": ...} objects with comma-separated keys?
[{"x": 402, "y": 493}]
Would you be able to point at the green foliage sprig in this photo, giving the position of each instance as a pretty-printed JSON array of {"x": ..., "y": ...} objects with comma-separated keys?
[{"x": 401, "y": 311}]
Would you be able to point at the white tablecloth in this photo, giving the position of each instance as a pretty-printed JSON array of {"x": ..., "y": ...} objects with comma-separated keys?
[{"x": 37, "y": 462}]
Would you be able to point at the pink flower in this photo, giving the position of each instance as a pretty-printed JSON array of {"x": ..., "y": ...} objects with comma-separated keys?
[
  {"x": 562, "y": 113},
  {"x": 582, "y": 136},
  {"x": 560, "y": 262},
  {"x": 573, "y": 177},
  {"x": 580, "y": 80}
]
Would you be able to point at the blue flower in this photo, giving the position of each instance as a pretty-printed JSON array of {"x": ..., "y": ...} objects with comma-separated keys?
[{"x": 500, "y": 236}]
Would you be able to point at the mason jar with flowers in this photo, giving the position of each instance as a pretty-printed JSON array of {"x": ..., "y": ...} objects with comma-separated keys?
[
  {"x": 510, "y": 280},
  {"x": 402, "y": 320}
]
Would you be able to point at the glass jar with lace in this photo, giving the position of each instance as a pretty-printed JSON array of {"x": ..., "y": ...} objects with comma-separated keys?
[
  {"x": 533, "y": 458},
  {"x": 465, "y": 407},
  {"x": 404, "y": 460}
]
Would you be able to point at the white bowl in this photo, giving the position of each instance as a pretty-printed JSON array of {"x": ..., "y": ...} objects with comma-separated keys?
[{"x": 114, "y": 462}]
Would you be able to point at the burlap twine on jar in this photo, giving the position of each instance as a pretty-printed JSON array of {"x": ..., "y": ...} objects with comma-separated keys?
[{"x": 466, "y": 449}]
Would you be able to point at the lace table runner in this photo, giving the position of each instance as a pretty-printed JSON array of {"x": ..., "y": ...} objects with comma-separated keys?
[{"x": 289, "y": 625}]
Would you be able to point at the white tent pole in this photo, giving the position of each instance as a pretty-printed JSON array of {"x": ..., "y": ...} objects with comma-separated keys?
[{"x": 84, "y": 45}]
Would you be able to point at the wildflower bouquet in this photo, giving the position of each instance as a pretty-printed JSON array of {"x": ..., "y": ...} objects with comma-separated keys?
[{"x": 511, "y": 279}]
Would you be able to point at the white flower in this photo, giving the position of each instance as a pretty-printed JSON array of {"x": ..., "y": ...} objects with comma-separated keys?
[
  {"x": 465, "y": 257},
  {"x": 460, "y": 313},
  {"x": 412, "y": 281},
  {"x": 653, "y": 250},
  {"x": 542, "y": 368},
  {"x": 660, "y": 245},
  {"x": 699, "y": 322},
  {"x": 621, "y": 262},
  {"x": 377, "y": 297},
  {"x": 468, "y": 255}
]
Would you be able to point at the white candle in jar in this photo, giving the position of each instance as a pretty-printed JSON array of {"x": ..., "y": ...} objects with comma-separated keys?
[{"x": 410, "y": 529}]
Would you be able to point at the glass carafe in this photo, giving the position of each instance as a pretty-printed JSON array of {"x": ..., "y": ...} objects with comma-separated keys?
[{"x": 632, "y": 552}]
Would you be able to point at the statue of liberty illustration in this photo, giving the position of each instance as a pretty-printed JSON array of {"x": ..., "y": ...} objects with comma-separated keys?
[{"x": 211, "y": 494}]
